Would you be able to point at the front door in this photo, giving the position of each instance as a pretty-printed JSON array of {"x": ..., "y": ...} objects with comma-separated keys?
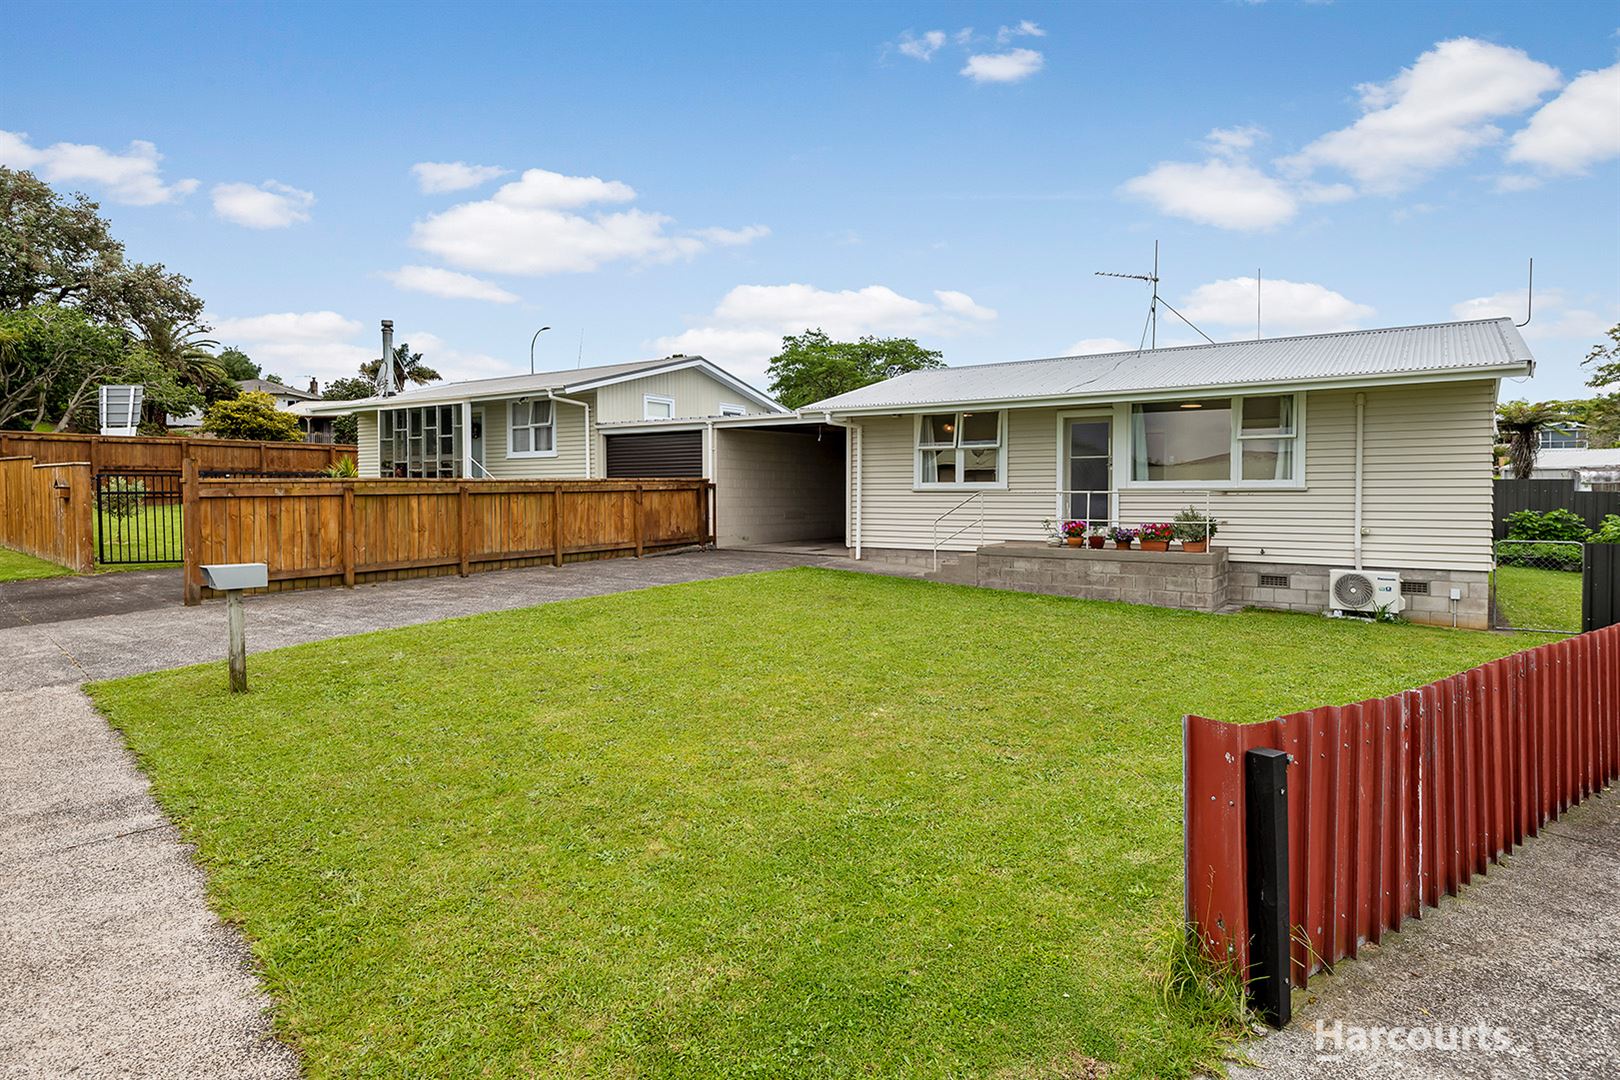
[
  {"x": 1089, "y": 472},
  {"x": 478, "y": 445}
]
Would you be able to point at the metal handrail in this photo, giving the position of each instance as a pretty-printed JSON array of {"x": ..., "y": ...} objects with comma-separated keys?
[{"x": 977, "y": 496}]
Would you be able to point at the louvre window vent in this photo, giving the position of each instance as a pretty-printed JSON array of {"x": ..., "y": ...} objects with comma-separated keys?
[
  {"x": 1414, "y": 588},
  {"x": 1274, "y": 581}
]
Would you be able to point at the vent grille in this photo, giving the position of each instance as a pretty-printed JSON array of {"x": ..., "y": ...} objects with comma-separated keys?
[
  {"x": 1274, "y": 581},
  {"x": 1353, "y": 591},
  {"x": 1414, "y": 588}
]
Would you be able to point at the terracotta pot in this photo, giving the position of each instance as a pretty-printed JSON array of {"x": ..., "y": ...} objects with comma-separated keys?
[
  {"x": 1155, "y": 545},
  {"x": 1123, "y": 545},
  {"x": 1074, "y": 541},
  {"x": 1097, "y": 541},
  {"x": 1195, "y": 547}
]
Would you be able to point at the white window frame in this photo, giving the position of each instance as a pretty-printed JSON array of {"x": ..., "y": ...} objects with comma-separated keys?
[
  {"x": 511, "y": 426},
  {"x": 647, "y": 401},
  {"x": 918, "y": 449},
  {"x": 731, "y": 408},
  {"x": 1124, "y": 470}
]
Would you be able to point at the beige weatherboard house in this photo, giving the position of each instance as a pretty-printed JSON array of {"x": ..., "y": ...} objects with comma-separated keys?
[
  {"x": 1366, "y": 450},
  {"x": 552, "y": 425}
]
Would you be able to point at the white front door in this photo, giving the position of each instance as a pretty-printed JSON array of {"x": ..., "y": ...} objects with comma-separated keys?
[
  {"x": 478, "y": 444},
  {"x": 1088, "y": 471}
]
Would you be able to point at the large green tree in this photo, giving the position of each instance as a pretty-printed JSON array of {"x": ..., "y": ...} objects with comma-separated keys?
[
  {"x": 1522, "y": 422},
  {"x": 57, "y": 249},
  {"x": 237, "y": 364},
  {"x": 1604, "y": 360},
  {"x": 53, "y": 360},
  {"x": 346, "y": 429},
  {"x": 812, "y": 366}
]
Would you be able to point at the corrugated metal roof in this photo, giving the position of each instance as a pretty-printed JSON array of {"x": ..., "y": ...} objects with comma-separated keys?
[
  {"x": 1490, "y": 345},
  {"x": 540, "y": 381},
  {"x": 1573, "y": 458}
]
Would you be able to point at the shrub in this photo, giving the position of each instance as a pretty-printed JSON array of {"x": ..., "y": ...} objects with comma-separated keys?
[
  {"x": 1608, "y": 530},
  {"x": 121, "y": 496},
  {"x": 252, "y": 416},
  {"x": 343, "y": 468},
  {"x": 1191, "y": 525},
  {"x": 1557, "y": 524},
  {"x": 1558, "y": 532}
]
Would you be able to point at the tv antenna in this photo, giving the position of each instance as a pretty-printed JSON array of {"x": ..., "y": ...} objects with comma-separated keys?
[{"x": 1151, "y": 330}]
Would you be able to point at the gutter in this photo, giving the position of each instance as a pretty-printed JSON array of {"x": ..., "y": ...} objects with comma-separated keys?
[{"x": 590, "y": 436}]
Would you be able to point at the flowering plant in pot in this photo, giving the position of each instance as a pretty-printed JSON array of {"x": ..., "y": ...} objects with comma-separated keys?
[
  {"x": 1122, "y": 537},
  {"x": 1156, "y": 535},
  {"x": 1074, "y": 532},
  {"x": 1098, "y": 536},
  {"x": 1194, "y": 529}
]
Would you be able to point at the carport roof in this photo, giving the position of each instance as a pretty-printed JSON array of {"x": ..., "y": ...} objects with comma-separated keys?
[{"x": 1487, "y": 348}]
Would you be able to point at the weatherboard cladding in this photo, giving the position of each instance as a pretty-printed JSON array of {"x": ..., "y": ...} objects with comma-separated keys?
[{"x": 1439, "y": 348}]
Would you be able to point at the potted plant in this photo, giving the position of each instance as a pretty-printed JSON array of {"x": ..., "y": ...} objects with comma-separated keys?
[
  {"x": 1123, "y": 537},
  {"x": 1074, "y": 533},
  {"x": 1098, "y": 536},
  {"x": 1156, "y": 535},
  {"x": 1194, "y": 530}
]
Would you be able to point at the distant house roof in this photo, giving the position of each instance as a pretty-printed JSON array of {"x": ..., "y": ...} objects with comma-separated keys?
[
  {"x": 1485, "y": 347},
  {"x": 270, "y": 386},
  {"x": 1562, "y": 458},
  {"x": 574, "y": 380}
]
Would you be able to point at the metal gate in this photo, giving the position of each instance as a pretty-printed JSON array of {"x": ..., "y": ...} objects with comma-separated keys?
[
  {"x": 138, "y": 518},
  {"x": 1537, "y": 585}
]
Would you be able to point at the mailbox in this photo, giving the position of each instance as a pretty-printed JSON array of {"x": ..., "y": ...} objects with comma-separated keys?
[{"x": 227, "y": 577}]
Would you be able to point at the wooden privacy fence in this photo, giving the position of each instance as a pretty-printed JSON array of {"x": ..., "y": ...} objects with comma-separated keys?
[
  {"x": 314, "y": 533},
  {"x": 142, "y": 453},
  {"x": 1544, "y": 495},
  {"x": 1397, "y": 801},
  {"x": 45, "y": 510}
]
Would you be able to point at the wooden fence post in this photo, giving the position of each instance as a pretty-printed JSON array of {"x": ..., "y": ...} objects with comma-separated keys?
[
  {"x": 636, "y": 511},
  {"x": 556, "y": 526},
  {"x": 346, "y": 542},
  {"x": 464, "y": 526},
  {"x": 81, "y": 512},
  {"x": 191, "y": 530},
  {"x": 264, "y": 458}
]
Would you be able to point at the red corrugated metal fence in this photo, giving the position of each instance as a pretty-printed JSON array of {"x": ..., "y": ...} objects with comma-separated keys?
[{"x": 1396, "y": 801}]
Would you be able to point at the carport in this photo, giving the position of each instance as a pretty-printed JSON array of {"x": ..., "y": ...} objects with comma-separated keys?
[{"x": 779, "y": 479}]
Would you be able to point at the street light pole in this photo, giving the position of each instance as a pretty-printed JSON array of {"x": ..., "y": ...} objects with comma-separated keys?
[{"x": 532, "y": 340}]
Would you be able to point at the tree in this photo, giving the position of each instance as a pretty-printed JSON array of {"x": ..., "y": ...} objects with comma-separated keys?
[
  {"x": 408, "y": 367},
  {"x": 190, "y": 360},
  {"x": 1602, "y": 422},
  {"x": 53, "y": 360},
  {"x": 59, "y": 250},
  {"x": 253, "y": 415},
  {"x": 1607, "y": 359},
  {"x": 346, "y": 429},
  {"x": 165, "y": 393},
  {"x": 236, "y": 364},
  {"x": 812, "y": 366},
  {"x": 1522, "y": 422}
]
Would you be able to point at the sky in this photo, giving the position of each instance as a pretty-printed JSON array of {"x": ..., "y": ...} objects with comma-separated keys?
[{"x": 647, "y": 179}]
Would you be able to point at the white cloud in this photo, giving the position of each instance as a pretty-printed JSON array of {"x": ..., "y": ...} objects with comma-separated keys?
[
  {"x": 1430, "y": 116},
  {"x": 1554, "y": 317},
  {"x": 1234, "y": 141},
  {"x": 1011, "y": 66},
  {"x": 436, "y": 281},
  {"x": 921, "y": 46},
  {"x": 326, "y": 345},
  {"x": 270, "y": 205},
  {"x": 1229, "y": 194},
  {"x": 746, "y": 327},
  {"x": 132, "y": 177},
  {"x": 1576, "y": 129},
  {"x": 1025, "y": 28},
  {"x": 1087, "y": 346},
  {"x": 1287, "y": 307},
  {"x": 528, "y": 227},
  {"x": 434, "y": 177}
]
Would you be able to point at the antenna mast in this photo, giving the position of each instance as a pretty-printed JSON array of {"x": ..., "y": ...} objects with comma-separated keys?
[
  {"x": 1153, "y": 304},
  {"x": 1529, "y": 296}
]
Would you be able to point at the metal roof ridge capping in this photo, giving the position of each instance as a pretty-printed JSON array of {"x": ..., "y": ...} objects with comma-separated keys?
[{"x": 1492, "y": 347}]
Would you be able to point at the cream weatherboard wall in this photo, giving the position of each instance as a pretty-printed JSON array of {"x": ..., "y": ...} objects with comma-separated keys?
[
  {"x": 694, "y": 392},
  {"x": 1426, "y": 485},
  {"x": 569, "y": 462},
  {"x": 367, "y": 460}
]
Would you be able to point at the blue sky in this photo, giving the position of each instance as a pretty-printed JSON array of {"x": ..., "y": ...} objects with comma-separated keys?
[{"x": 704, "y": 178}]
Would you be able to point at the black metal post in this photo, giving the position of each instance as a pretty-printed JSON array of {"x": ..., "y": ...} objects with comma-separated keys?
[{"x": 1265, "y": 774}]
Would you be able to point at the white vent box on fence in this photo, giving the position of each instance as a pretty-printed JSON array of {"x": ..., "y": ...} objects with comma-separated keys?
[
  {"x": 121, "y": 409},
  {"x": 223, "y": 577}
]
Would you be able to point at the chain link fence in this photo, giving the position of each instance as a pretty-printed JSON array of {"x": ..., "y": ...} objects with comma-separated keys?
[{"x": 1536, "y": 585}]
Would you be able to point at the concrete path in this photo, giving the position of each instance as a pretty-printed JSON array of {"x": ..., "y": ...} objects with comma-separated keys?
[
  {"x": 1533, "y": 948},
  {"x": 111, "y": 963}
]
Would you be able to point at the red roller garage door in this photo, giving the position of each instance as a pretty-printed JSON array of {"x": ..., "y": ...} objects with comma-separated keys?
[{"x": 656, "y": 454}]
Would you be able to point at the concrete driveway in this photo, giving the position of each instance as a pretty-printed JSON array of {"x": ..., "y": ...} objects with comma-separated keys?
[{"x": 111, "y": 963}]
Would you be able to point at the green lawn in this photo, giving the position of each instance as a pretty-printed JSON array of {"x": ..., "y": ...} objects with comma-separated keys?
[
  {"x": 15, "y": 566},
  {"x": 1534, "y": 599},
  {"x": 806, "y": 823},
  {"x": 150, "y": 534}
]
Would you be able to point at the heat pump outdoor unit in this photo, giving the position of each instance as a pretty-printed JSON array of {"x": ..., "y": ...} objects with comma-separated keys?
[{"x": 1368, "y": 591}]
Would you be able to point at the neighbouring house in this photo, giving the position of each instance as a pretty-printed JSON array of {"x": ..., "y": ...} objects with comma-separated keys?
[
  {"x": 1584, "y": 468},
  {"x": 1367, "y": 449},
  {"x": 317, "y": 429},
  {"x": 645, "y": 419}
]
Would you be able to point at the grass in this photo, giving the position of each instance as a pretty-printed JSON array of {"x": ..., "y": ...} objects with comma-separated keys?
[
  {"x": 149, "y": 536},
  {"x": 15, "y": 566},
  {"x": 808, "y": 823},
  {"x": 1536, "y": 599}
]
